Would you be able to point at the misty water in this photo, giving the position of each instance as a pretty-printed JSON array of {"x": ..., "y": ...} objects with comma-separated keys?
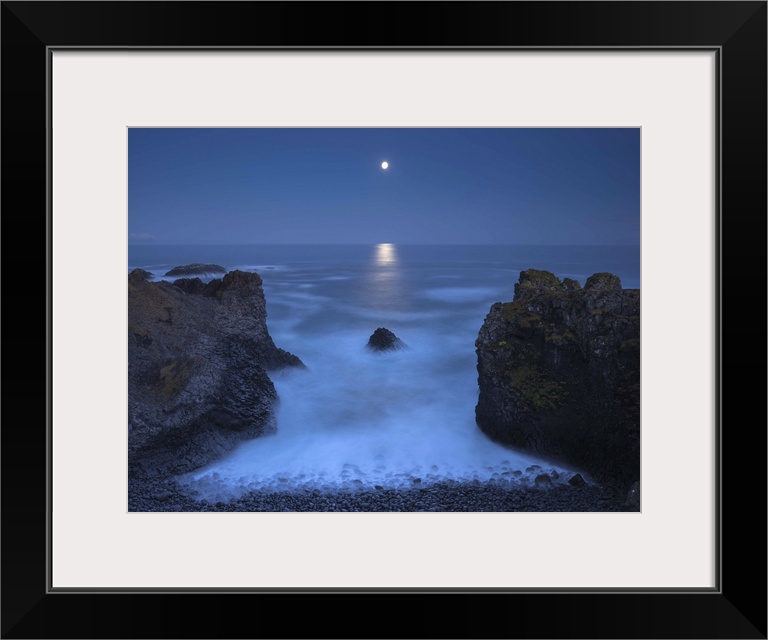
[{"x": 357, "y": 419}]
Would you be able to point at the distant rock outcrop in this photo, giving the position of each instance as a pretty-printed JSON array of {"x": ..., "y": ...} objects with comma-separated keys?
[
  {"x": 559, "y": 373},
  {"x": 384, "y": 340},
  {"x": 196, "y": 269},
  {"x": 197, "y": 361}
]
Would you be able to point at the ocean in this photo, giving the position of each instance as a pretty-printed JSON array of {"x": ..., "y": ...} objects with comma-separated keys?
[{"x": 357, "y": 419}]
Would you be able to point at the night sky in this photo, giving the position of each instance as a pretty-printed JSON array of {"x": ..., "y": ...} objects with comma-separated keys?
[{"x": 326, "y": 186}]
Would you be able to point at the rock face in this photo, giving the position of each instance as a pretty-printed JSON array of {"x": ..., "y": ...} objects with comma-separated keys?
[
  {"x": 559, "y": 373},
  {"x": 196, "y": 269},
  {"x": 197, "y": 361},
  {"x": 384, "y": 340}
]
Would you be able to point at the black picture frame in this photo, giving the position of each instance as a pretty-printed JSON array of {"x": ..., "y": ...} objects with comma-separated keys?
[{"x": 736, "y": 608}]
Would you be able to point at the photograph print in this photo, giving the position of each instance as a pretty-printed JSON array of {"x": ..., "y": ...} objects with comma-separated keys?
[{"x": 384, "y": 319}]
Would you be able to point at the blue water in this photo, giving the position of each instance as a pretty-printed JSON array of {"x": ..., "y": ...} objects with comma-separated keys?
[{"x": 355, "y": 418}]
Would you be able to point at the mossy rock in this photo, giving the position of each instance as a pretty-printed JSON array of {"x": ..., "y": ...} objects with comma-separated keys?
[
  {"x": 603, "y": 281},
  {"x": 535, "y": 276}
]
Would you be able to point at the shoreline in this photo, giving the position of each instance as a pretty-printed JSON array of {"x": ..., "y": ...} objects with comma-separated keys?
[{"x": 168, "y": 496}]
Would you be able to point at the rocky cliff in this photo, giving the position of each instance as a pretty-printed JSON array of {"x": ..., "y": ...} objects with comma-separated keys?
[
  {"x": 198, "y": 356},
  {"x": 559, "y": 373}
]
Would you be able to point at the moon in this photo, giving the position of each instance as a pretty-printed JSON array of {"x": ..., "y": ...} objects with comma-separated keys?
[{"x": 384, "y": 165}]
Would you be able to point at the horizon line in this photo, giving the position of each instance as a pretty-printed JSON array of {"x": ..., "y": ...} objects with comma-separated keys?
[{"x": 374, "y": 244}]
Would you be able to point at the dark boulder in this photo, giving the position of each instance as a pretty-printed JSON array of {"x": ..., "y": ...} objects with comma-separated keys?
[
  {"x": 196, "y": 269},
  {"x": 543, "y": 479},
  {"x": 384, "y": 340},
  {"x": 576, "y": 480}
]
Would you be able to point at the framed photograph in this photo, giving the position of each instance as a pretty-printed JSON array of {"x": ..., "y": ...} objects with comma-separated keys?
[
  {"x": 404, "y": 387},
  {"x": 108, "y": 110}
]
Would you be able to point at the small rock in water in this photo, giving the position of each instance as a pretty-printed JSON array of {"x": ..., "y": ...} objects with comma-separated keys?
[
  {"x": 384, "y": 340},
  {"x": 576, "y": 480},
  {"x": 543, "y": 479}
]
